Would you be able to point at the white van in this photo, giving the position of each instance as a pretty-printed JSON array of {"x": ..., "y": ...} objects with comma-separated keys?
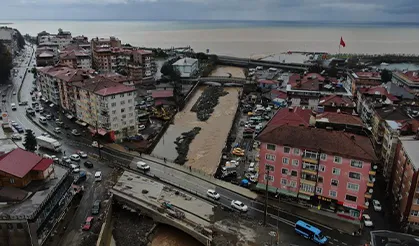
[
  {"x": 13, "y": 106},
  {"x": 42, "y": 120},
  {"x": 98, "y": 176}
]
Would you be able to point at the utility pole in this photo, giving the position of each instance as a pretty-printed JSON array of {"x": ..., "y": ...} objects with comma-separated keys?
[{"x": 266, "y": 196}]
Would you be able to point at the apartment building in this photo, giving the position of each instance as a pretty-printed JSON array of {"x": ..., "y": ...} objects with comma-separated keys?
[
  {"x": 388, "y": 123},
  {"x": 333, "y": 170},
  {"x": 75, "y": 56},
  {"x": 186, "y": 66},
  {"x": 408, "y": 79},
  {"x": 404, "y": 182},
  {"x": 61, "y": 39},
  {"x": 56, "y": 84},
  {"x": 335, "y": 103},
  {"x": 144, "y": 58},
  {"x": 308, "y": 89},
  {"x": 356, "y": 80},
  {"x": 102, "y": 54},
  {"x": 107, "y": 106}
]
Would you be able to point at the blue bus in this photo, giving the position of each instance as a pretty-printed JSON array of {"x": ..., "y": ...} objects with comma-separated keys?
[{"x": 310, "y": 232}]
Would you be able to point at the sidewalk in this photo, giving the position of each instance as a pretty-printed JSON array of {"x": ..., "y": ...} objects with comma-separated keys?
[{"x": 314, "y": 215}]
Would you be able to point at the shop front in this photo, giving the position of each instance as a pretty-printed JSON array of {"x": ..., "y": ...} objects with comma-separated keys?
[
  {"x": 349, "y": 210},
  {"x": 325, "y": 203}
]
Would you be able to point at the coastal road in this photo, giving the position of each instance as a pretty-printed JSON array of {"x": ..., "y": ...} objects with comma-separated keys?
[{"x": 194, "y": 185}]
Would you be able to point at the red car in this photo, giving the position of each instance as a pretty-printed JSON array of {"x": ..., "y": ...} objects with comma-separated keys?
[{"x": 88, "y": 223}]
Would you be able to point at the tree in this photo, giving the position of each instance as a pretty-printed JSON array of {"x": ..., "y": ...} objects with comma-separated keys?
[
  {"x": 20, "y": 40},
  {"x": 332, "y": 72},
  {"x": 34, "y": 71},
  {"x": 6, "y": 64},
  {"x": 60, "y": 30},
  {"x": 30, "y": 141},
  {"x": 201, "y": 56},
  {"x": 166, "y": 69},
  {"x": 386, "y": 76}
]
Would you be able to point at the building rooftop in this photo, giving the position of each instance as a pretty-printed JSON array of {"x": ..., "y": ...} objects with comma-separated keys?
[
  {"x": 19, "y": 162},
  {"x": 410, "y": 76},
  {"x": 115, "y": 77},
  {"x": 185, "y": 62},
  {"x": 315, "y": 82},
  {"x": 339, "y": 118},
  {"x": 143, "y": 52},
  {"x": 329, "y": 141},
  {"x": 104, "y": 86},
  {"x": 391, "y": 238},
  {"x": 291, "y": 116},
  {"x": 67, "y": 74},
  {"x": 337, "y": 100},
  {"x": 162, "y": 93},
  {"x": 411, "y": 145},
  {"x": 38, "y": 193},
  {"x": 393, "y": 113},
  {"x": 292, "y": 57},
  {"x": 378, "y": 90}
]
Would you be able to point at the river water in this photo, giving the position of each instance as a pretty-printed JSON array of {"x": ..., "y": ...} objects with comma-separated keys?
[{"x": 243, "y": 38}]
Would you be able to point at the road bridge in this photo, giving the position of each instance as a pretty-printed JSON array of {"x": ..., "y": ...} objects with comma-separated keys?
[{"x": 244, "y": 62}]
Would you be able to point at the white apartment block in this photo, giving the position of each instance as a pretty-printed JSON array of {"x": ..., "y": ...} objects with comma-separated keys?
[
  {"x": 48, "y": 84},
  {"x": 108, "y": 105}
]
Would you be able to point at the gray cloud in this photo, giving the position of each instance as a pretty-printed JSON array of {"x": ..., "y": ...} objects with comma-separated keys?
[{"x": 320, "y": 10}]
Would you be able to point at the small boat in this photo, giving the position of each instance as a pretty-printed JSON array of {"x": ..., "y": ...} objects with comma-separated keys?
[{"x": 384, "y": 64}]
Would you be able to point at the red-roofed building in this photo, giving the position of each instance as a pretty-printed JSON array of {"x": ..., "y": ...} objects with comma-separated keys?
[
  {"x": 356, "y": 80},
  {"x": 410, "y": 79},
  {"x": 331, "y": 169},
  {"x": 334, "y": 103},
  {"x": 75, "y": 56},
  {"x": 307, "y": 90},
  {"x": 19, "y": 167}
]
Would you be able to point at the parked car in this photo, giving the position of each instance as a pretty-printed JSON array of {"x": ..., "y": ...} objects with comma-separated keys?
[
  {"x": 95, "y": 144},
  {"x": 143, "y": 166},
  {"x": 88, "y": 223},
  {"x": 59, "y": 122},
  {"x": 48, "y": 116},
  {"x": 16, "y": 137},
  {"x": 19, "y": 129},
  {"x": 88, "y": 164},
  {"x": 75, "y": 168},
  {"x": 141, "y": 127},
  {"x": 213, "y": 194},
  {"x": 66, "y": 160},
  {"x": 96, "y": 207},
  {"x": 377, "y": 205},
  {"x": 75, "y": 132},
  {"x": 239, "y": 205},
  {"x": 367, "y": 220},
  {"x": 57, "y": 130},
  {"x": 75, "y": 157},
  {"x": 82, "y": 154}
]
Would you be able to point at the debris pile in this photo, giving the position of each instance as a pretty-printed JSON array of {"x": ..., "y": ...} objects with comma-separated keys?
[
  {"x": 182, "y": 144},
  {"x": 207, "y": 102}
]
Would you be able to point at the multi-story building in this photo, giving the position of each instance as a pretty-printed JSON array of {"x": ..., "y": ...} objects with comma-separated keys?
[
  {"x": 356, "y": 80},
  {"x": 307, "y": 90},
  {"x": 387, "y": 124},
  {"x": 107, "y": 106},
  {"x": 404, "y": 182},
  {"x": 332, "y": 169},
  {"x": 102, "y": 54},
  {"x": 76, "y": 57},
  {"x": 186, "y": 66},
  {"x": 409, "y": 79},
  {"x": 56, "y": 82},
  {"x": 146, "y": 60},
  {"x": 335, "y": 103},
  {"x": 34, "y": 193},
  {"x": 61, "y": 39},
  {"x": 45, "y": 56}
]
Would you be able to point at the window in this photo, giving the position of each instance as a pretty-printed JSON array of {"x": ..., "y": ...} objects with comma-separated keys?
[
  {"x": 287, "y": 150},
  {"x": 350, "y": 198},
  {"x": 285, "y": 160},
  {"x": 284, "y": 182},
  {"x": 114, "y": 118},
  {"x": 284, "y": 171},
  {"x": 336, "y": 171},
  {"x": 294, "y": 173},
  {"x": 129, "y": 94},
  {"x": 417, "y": 201},
  {"x": 295, "y": 163},
  {"x": 113, "y": 97},
  {"x": 351, "y": 186},
  {"x": 320, "y": 179},
  {"x": 323, "y": 156},
  {"x": 414, "y": 213},
  {"x": 113, "y": 111},
  {"x": 122, "y": 102},
  {"x": 122, "y": 95},
  {"x": 354, "y": 175},
  {"x": 356, "y": 163},
  {"x": 337, "y": 159},
  {"x": 113, "y": 104},
  {"x": 122, "y": 110},
  {"x": 115, "y": 126},
  {"x": 271, "y": 146},
  {"x": 130, "y": 108},
  {"x": 334, "y": 182},
  {"x": 333, "y": 193},
  {"x": 269, "y": 167},
  {"x": 131, "y": 121},
  {"x": 270, "y": 177},
  {"x": 12, "y": 180},
  {"x": 319, "y": 190},
  {"x": 293, "y": 183},
  {"x": 124, "y": 116},
  {"x": 130, "y": 114},
  {"x": 322, "y": 168},
  {"x": 306, "y": 187},
  {"x": 129, "y": 100},
  {"x": 270, "y": 157},
  {"x": 296, "y": 151}
]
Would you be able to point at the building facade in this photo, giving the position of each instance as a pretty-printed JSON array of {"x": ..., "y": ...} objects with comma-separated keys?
[
  {"x": 76, "y": 57},
  {"x": 356, "y": 80},
  {"x": 331, "y": 169},
  {"x": 409, "y": 79},
  {"x": 101, "y": 53},
  {"x": 404, "y": 182},
  {"x": 186, "y": 66}
]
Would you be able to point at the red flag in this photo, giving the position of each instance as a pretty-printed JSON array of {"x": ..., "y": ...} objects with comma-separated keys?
[{"x": 342, "y": 43}]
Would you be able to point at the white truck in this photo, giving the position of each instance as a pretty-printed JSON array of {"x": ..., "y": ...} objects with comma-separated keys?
[{"x": 48, "y": 143}]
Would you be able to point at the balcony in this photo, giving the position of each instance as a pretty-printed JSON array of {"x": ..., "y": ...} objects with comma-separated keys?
[
  {"x": 309, "y": 168},
  {"x": 310, "y": 157},
  {"x": 371, "y": 181}
]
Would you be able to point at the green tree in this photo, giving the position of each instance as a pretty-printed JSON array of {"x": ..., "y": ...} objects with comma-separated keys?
[
  {"x": 201, "y": 56},
  {"x": 20, "y": 40},
  {"x": 30, "y": 141},
  {"x": 386, "y": 76},
  {"x": 60, "y": 30},
  {"x": 34, "y": 71},
  {"x": 6, "y": 64}
]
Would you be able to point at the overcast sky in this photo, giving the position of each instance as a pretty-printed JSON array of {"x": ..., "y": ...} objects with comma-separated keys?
[{"x": 321, "y": 10}]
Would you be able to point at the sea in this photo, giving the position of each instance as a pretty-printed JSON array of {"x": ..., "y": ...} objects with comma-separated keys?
[{"x": 244, "y": 38}]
